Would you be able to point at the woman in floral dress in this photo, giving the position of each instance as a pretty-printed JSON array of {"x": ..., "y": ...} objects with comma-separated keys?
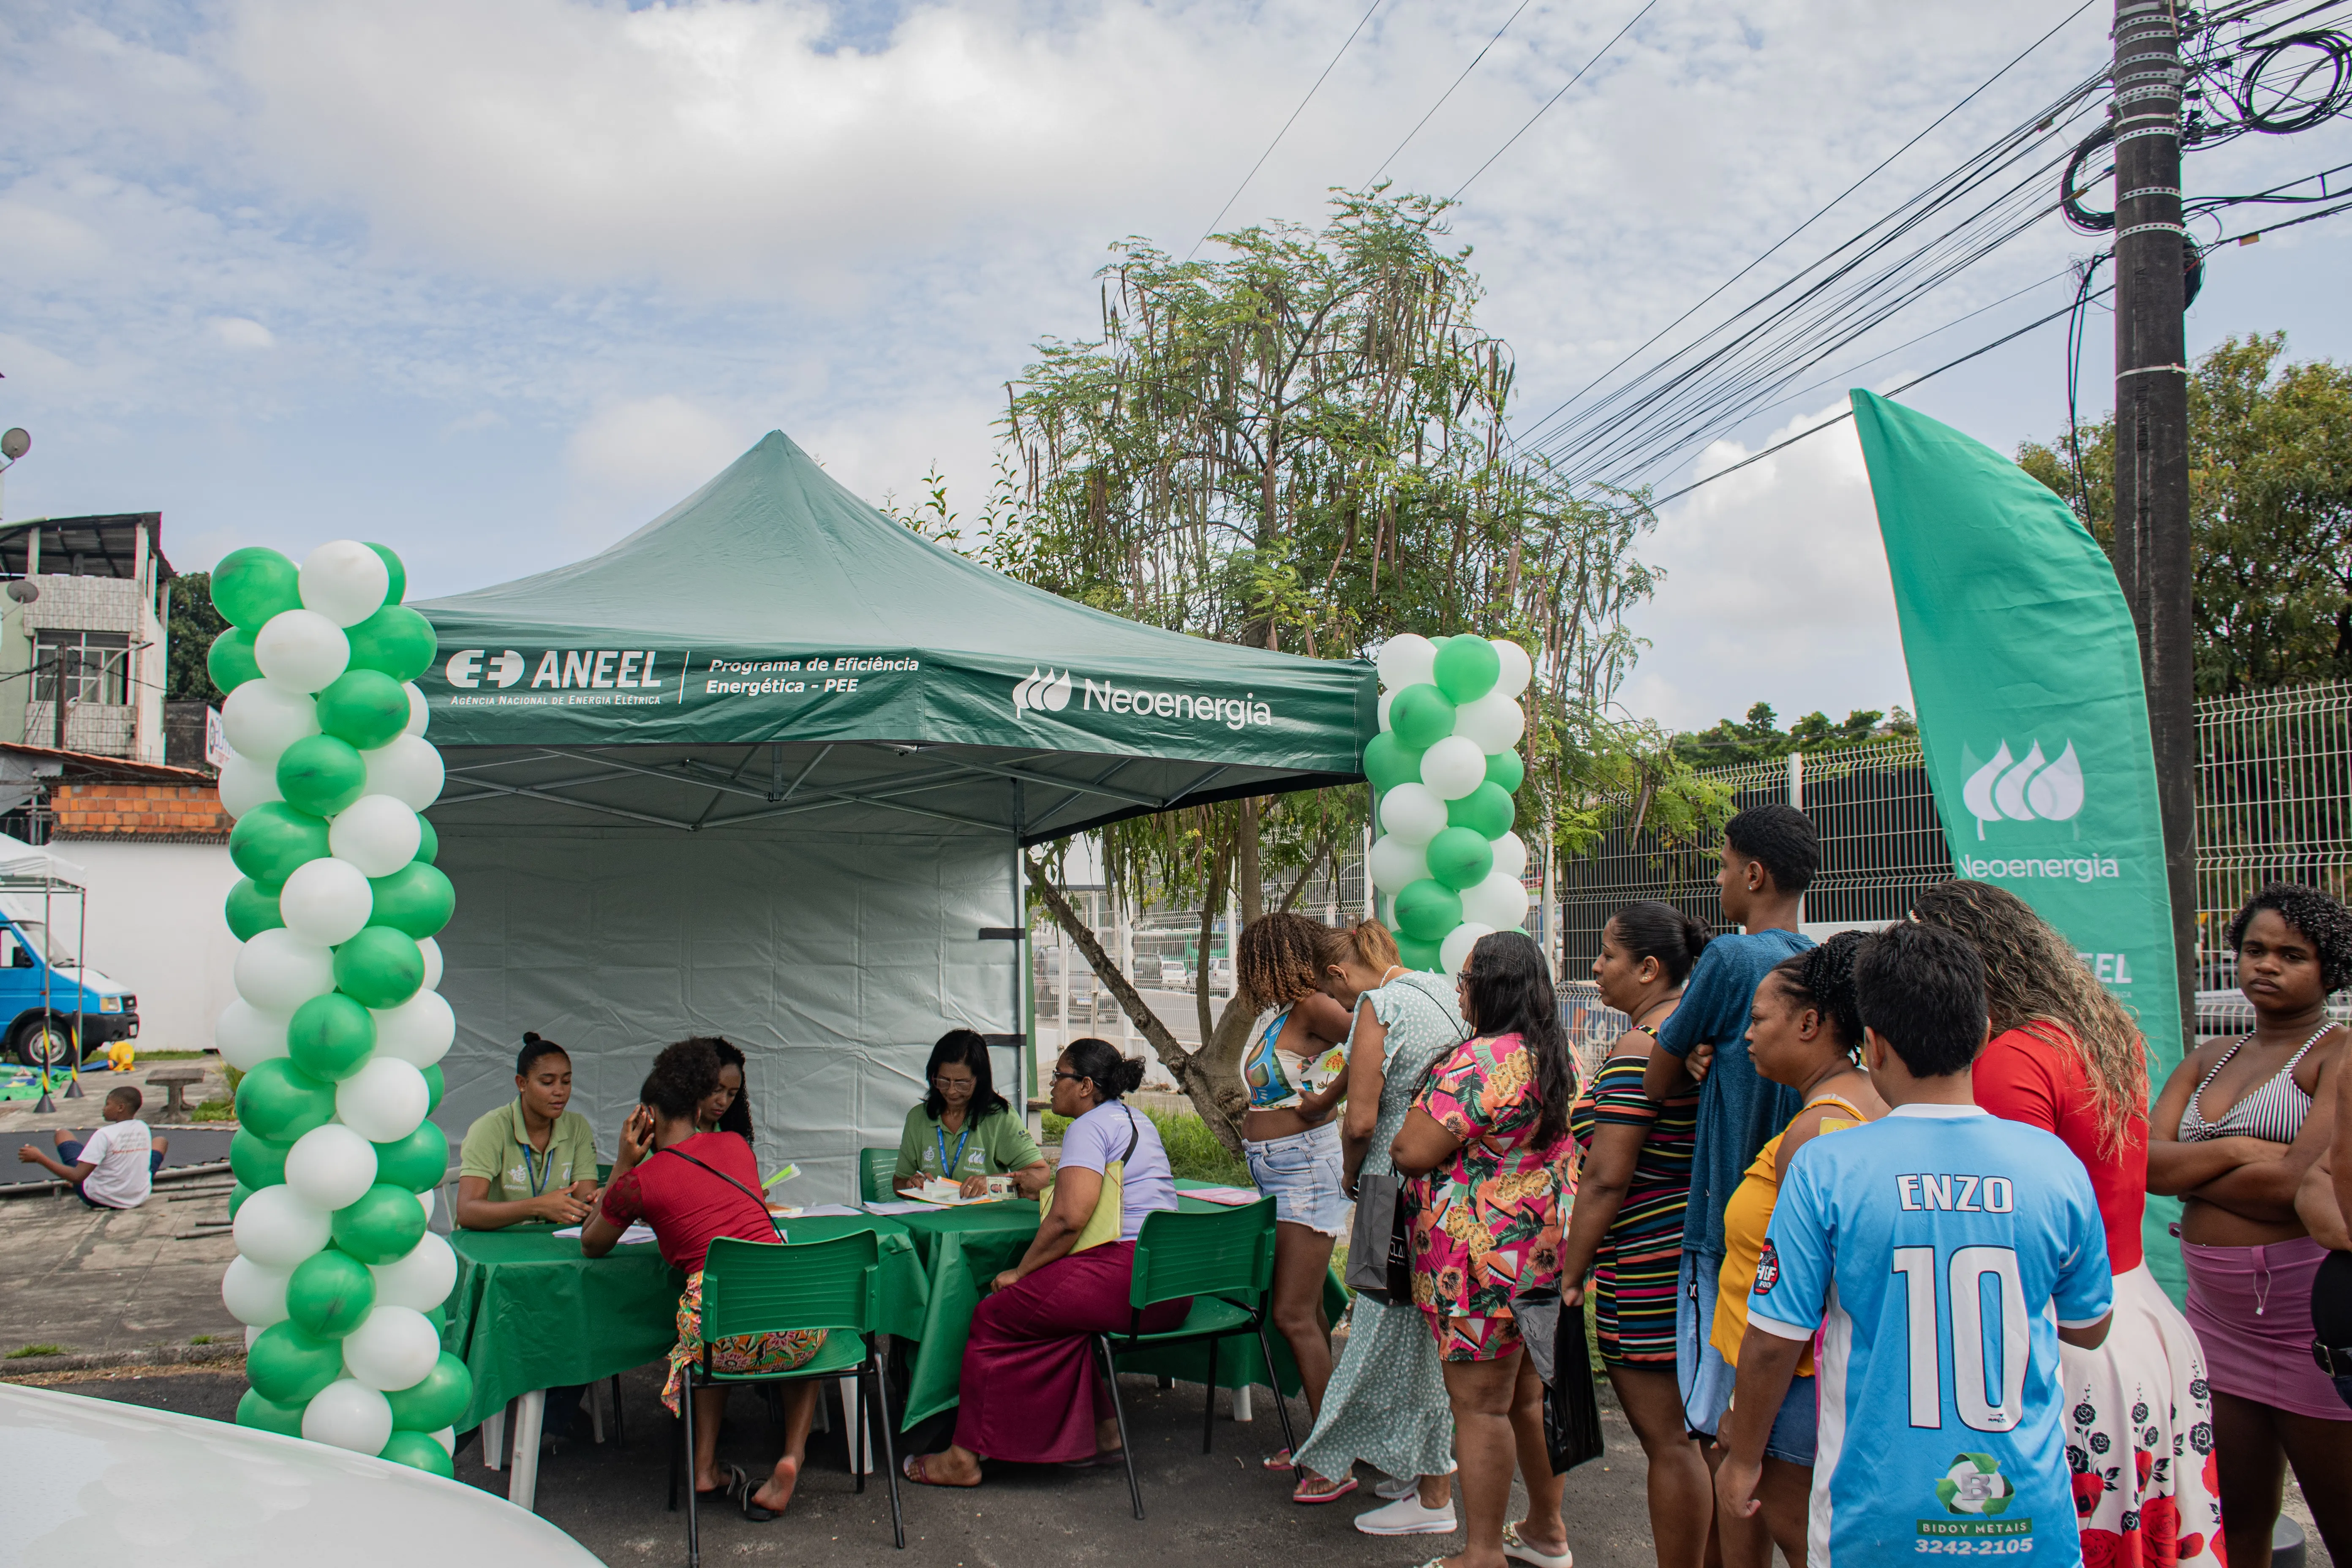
[{"x": 1489, "y": 1146}]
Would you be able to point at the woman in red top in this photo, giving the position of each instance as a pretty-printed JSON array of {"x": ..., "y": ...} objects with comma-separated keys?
[
  {"x": 2066, "y": 1058},
  {"x": 691, "y": 1188}
]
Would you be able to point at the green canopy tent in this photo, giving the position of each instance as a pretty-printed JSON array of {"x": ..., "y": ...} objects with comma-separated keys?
[{"x": 763, "y": 768}]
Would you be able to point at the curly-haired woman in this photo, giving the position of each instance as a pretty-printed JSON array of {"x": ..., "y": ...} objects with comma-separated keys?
[
  {"x": 2235, "y": 1130},
  {"x": 2067, "y": 1058}
]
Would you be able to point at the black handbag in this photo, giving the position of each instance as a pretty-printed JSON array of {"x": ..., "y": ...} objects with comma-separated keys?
[
  {"x": 1572, "y": 1411},
  {"x": 1380, "y": 1240}
]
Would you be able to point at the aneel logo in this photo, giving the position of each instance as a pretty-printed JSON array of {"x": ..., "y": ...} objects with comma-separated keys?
[
  {"x": 2005, "y": 789},
  {"x": 627, "y": 669},
  {"x": 1042, "y": 692},
  {"x": 467, "y": 670}
]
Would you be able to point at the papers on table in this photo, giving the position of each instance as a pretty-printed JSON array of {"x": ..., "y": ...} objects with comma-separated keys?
[
  {"x": 1233, "y": 1198},
  {"x": 816, "y": 1211},
  {"x": 902, "y": 1205},
  {"x": 638, "y": 1232}
]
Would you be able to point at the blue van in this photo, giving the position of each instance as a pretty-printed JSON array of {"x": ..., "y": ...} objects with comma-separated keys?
[{"x": 45, "y": 996}]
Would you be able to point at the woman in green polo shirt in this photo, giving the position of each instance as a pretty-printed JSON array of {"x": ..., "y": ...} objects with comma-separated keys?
[
  {"x": 531, "y": 1160},
  {"x": 964, "y": 1132}
]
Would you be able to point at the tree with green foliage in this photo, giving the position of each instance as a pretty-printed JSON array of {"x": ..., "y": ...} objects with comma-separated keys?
[
  {"x": 195, "y": 622},
  {"x": 2270, "y": 482},
  {"x": 1758, "y": 738}
]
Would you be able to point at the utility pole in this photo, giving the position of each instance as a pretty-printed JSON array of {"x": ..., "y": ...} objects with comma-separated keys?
[{"x": 2153, "y": 559}]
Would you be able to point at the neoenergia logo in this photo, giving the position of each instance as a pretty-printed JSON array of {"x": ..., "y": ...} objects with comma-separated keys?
[
  {"x": 2005, "y": 789},
  {"x": 1042, "y": 692}
]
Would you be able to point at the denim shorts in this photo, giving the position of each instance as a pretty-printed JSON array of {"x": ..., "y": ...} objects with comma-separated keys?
[
  {"x": 1796, "y": 1430},
  {"x": 1303, "y": 1175}
]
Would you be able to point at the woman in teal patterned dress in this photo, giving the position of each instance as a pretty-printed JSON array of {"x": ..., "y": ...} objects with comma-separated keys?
[{"x": 1386, "y": 1402}]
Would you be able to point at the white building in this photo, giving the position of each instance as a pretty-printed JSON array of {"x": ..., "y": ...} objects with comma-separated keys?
[{"x": 84, "y": 650}]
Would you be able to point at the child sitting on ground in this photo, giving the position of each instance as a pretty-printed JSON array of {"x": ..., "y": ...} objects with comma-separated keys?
[{"x": 115, "y": 1168}]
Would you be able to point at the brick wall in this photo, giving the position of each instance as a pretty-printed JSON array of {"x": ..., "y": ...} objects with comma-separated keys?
[{"x": 184, "y": 814}]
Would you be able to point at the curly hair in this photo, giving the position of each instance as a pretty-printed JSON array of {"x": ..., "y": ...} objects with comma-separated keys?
[
  {"x": 2034, "y": 982},
  {"x": 2323, "y": 921},
  {"x": 684, "y": 1076},
  {"x": 1279, "y": 958},
  {"x": 1821, "y": 978}
]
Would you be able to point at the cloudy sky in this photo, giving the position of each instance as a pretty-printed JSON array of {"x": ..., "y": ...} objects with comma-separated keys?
[{"x": 496, "y": 282}]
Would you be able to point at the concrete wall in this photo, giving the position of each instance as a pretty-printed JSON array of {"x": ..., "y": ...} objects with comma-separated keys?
[{"x": 155, "y": 925}]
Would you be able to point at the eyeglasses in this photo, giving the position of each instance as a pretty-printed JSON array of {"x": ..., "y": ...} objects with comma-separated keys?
[
  {"x": 965, "y": 1082},
  {"x": 1072, "y": 1076}
]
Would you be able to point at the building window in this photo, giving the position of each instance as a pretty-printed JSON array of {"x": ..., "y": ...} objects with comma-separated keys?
[{"x": 96, "y": 667}]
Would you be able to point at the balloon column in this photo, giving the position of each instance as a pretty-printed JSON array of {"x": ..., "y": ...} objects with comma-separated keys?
[
  {"x": 1443, "y": 770},
  {"x": 338, "y": 1028}
]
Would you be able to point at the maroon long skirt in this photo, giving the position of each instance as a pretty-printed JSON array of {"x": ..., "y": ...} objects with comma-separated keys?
[{"x": 1030, "y": 1390}]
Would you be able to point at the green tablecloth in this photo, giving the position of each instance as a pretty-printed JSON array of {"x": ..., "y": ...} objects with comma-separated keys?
[{"x": 528, "y": 1311}]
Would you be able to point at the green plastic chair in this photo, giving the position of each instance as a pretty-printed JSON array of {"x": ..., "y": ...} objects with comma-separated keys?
[
  {"x": 766, "y": 1286},
  {"x": 1224, "y": 1261},
  {"x": 875, "y": 1169}
]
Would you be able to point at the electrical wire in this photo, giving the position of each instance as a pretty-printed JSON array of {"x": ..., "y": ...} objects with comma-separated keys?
[
  {"x": 1446, "y": 94},
  {"x": 1555, "y": 97}
]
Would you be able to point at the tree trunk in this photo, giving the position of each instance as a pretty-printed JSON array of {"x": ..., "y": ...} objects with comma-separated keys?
[{"x": 1249, "y": 878}]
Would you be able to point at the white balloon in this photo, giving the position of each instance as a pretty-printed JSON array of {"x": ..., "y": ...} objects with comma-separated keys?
[
  {"x": 330, "y": 1167},
  {"x": 408, "y": 769},
  {"x": 345, "y": 581},
  {"x": 1386, "y": 698},
  {"x": 419, "y": 712},
  {"x": 1414, "y": 814},
  {"x": 301, "y": 649},
  {"x": 424, "y": 1201},
  {"x": 247, "y": 1037},
  {"x": 346, "y": 1414},
  {"x": 1511, "y": 856},
  {"x": 1454, "y": 951},
  {"x": 277, "y": 1230},
  {"x": 1396, "y": 863},
  {"x": 326, "y": 900},
  {"x": 252, "y": 1333},
  {"x": 254, "y": 1294},
  {"x": 377, "y": 832},
  {"x": 1406, "y": 659},
  {"x": 383, "y": 1101},
  {"x": 1451, "y": 768},
  {"x": 423, "y": 1280},
  {"x": 1517, "y": 668},
  {"x": 262, "y": 718},
  {"x": 447, "y": 1438},
  {"x": 1493, "y": 721},
  {"x": 1498, "y": 901},
  {"x": 432, "y": 951},
  {"x": 278, "y": 970},
  {"x": 246, "y": 784},
  {"x": 421, "y": 1029},
  {"x": 394, "y": 1348}
]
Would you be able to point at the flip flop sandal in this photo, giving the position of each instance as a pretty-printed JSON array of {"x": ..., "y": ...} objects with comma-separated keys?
[
  {"x": 726, "y": 1489},
  {"x": 914, "y": 1469},
  {"x": 1278, "y": 1460},
  {"x": 1301, "y": 1495}
]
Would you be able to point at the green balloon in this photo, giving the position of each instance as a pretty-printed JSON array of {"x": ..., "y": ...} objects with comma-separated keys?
[
  {"x": 1418, "y": 954},
  {"x": 428, "y": 842},
  {"x": 237, "y": 1193},
  {"x": 417, "y": 898},
  {"x": 416, "y": 1162},
  {"x": 255, "y": 1160},
  {"x": 364, "y": 707},
  {"x": 380, "y": 966},
  {"x": 230, "y": 660},
  {"x": 321, "y": 775},
  {"x": 1427, "y": 909},
  {"x": 268, "y": 1416},
  {"x": 251, "y": 911},
  {"x": 329, "y": 1294},
  {"x": 395, "y": 641},
  {"x": 1487, "y": 810},
  {"x": 436, "y": 1402},
  {"x": 272, "y": 839},
  {"x": 287, "y": 1365},
  {"x": 1420, "y": 717},
  {"x": 1467, "y": 667},
  {"x": 434, "y": 1088},
  {"x": 418, "y": 1451},
  {"x": 1388, "y": 762},
  {"x": 1507, "y": 772},
  {"x": 381, "y": 1226},
  {"x": 1457, "y": 857},
  {"x": 281, "y": 1103},
  {"x": 331, "y": 1037},
  {"x": 252, "y": 584},
  {"x": 398, "y": 588}
]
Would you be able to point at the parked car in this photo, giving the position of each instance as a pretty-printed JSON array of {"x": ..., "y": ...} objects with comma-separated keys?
[
  {"x": 47, "y": 998},
  {"x": 127, "y": 1484},
  {"x": 1172, "y": 975}
]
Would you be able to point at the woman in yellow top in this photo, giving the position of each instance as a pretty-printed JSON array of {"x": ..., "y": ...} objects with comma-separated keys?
[{"x": 1803, "y": 1030}]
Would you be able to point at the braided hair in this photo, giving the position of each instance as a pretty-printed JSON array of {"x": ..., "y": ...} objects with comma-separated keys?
[
  {"x": 2323, "y": 922},
  {"x": 1279, "y": 958},
  {"x": 1821, "y": 978}
]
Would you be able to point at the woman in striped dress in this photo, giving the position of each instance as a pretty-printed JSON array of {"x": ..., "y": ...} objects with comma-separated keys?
[{"x": 1626, "y": 1229}]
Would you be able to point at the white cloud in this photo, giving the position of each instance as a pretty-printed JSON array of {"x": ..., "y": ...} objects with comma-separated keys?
[
  {"x": 636, "y": 458},
  {"x": 243, "y": 333}
]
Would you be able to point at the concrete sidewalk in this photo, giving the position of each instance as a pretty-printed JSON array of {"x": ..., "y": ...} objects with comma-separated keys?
[{"x": 115, "y": 1279}]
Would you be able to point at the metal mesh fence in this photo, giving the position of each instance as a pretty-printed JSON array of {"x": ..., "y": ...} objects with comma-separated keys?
[{"x": 2274, "y": 804}]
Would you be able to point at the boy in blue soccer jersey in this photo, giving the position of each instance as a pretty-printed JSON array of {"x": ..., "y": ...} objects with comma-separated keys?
[{"x": 1942, "y": 1253}]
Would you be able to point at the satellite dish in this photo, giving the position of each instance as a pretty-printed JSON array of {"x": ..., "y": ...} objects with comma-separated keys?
[
  {"x": 14, "y": 443},
  {"x": 24, "y": 590}
]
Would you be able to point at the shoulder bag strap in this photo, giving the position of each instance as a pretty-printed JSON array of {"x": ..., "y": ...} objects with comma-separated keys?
[{"x": 732, "y": 1183}]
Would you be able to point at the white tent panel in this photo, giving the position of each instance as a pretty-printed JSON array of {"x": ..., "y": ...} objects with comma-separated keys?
[{"x": 834, "y": 961}]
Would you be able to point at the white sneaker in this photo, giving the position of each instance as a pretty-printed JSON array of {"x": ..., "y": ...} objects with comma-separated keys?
[
  {"x": 1388, "y": 1489},
  {"x": 1517, "y": 1550},
  {"x": 1405, "y": 1516}
]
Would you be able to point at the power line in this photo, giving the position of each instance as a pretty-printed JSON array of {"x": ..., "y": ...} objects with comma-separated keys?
[
  {"x": 1555, "y": 97},
  {"x": 1446, "y": 94},
  {"x": 1278, "y": 135}
]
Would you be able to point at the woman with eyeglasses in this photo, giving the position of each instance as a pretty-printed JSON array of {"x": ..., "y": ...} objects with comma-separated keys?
[{"x": 964, "y": 1132}]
